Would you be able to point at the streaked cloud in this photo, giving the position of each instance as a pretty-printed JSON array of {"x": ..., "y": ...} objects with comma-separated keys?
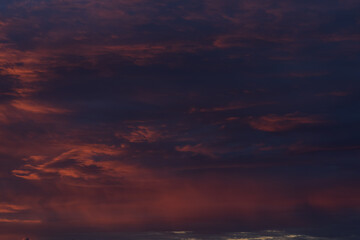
[
  {"x": 179, "y": 118},
  {"x": 278, "y": 123}
]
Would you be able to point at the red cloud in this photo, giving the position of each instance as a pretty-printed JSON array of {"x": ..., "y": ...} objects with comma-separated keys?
[
  {"x": 11, "y": 208},
  {"x": 79, "y": 163},
  {"x": 34, "y": 107},
  {"x": 278, "y": 123},
  {"x": 20, "y": 221},
  {"x": 141, "y": 134},
  {"x": 198, "y": 149}
]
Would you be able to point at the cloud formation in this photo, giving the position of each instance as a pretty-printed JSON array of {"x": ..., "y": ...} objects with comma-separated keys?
[
  {"x": 185, "y": 116},
  {"x": 278, "y": 123}
]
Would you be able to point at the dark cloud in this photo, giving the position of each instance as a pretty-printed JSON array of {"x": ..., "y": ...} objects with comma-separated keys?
[{"x": 207, "y": 116}]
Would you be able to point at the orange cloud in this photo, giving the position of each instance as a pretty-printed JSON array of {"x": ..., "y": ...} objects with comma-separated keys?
[
  {"x": 80, "y": 163},
  {"x": 26, "y": 174},
  {"x": 20, "y": 221},
  {"x": 11, "y": 208},
  {"x": 26, "y": 66},
  {"x": 30, "y": 106},
  {"x": 24, "y": 110},
  {"x": 142, "y": 134}
]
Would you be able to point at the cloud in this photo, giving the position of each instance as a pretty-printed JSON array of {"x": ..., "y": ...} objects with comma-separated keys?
[
  {"x": 19, "y": 221},
  {"x": 279, "y": 123},
  {"x": 33, "y": 107},
  {"x": 141, "y": 134},
  {"x": 140, "y": 115},
  {"x": 197, "y": 149},
  {"x": 11, "y": 208},
  {"x": 89, "y": 164}
]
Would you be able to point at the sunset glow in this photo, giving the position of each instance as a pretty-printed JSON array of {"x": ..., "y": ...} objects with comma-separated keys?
[{"x": 179, "y": 119}]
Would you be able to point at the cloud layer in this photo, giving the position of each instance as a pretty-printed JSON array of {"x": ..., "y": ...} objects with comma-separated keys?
[{"x": 205, "y": 116}]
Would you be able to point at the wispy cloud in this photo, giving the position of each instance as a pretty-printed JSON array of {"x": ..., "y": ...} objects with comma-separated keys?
[{"x": 278, "y": 123}]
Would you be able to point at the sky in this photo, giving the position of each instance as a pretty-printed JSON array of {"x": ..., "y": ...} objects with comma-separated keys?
[{"x": 179, "y": 119}]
